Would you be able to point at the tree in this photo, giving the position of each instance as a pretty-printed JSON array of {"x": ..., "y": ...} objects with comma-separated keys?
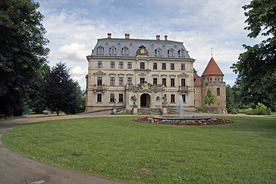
[
  {"x": 209, "y": 98},
  {"x": 258, "y": 61},
  {"x": 230, "y": 101},
  {"x": 60, "y": 91},
  {"x": 34, "y": 95},
  {"x": 22, "y": 50},
  {"x": 195, "y": 71}
]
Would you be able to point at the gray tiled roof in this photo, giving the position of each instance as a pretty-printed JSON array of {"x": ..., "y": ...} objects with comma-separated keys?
[{"x": 132, "y": 45}]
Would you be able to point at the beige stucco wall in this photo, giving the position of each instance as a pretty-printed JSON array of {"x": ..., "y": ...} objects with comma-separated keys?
[{"x": 136, "y": 73}]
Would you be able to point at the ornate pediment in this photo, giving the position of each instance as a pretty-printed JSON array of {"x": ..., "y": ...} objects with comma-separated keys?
[
  {"x": 145, "y": 88},
  {"x": 142, "y": 74},
  {"x": 99, "y": 73},
  {"x": 183, "y": 75},
  {"x": 142, "y": 51}
]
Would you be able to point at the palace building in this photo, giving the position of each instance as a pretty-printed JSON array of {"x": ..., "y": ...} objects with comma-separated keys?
[{"x": 144, "y": 76}]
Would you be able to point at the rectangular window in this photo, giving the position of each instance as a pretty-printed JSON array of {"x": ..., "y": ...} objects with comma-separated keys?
[
  {"x": 112, "y": 81},
  {"x": 142, "y": 65},
  {"x": 112, "y": 64},
  {"x": 112, "y": 97},
  {"x": 99, "y": 64},
  {"x": 182, "y": 66},
  {"x": 121, "y": 81},
  {"x": 184, "y": 98},
  {"x": 129, "y": 65},
  {"x": 99, "y": 98},
  {"x": 172, "y": 66},
  {"x": 218, "y": 91},
  {"x": 121, "y": 98},
  {"x": 129, "y": 80},
  {"x": 183, "y": 83},
  {"x": 155, "y": 66},
  {"x": 172, "y": 82},
  {"x": 173, "y": 98},
  {"x": 163, "y": 66},
  {"x": 142, "y": 80},
  {"x": 154, "y": 81},
  {"x": 164, "y": 82},
  {"x": 121, "y": 65},
  {"x": 99, "y": 81}
]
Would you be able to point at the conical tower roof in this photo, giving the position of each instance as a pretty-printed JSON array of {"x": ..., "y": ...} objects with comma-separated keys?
[{"x": 212, "y": 69}]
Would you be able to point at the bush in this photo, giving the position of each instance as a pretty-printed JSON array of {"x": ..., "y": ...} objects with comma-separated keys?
[
  {"x": 260, "y": 109},
  {"x": 201, "y": 109},
  {"x": 232, "y": 111}
]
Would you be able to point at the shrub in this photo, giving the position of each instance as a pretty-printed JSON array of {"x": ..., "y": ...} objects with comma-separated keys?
[
  {"x": 201, "y": 109},
  {"x": 260, "y": 109},
  {"x": 232, "y": 111}
]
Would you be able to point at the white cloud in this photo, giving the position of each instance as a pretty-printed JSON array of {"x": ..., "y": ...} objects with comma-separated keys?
[
  {"x": 72, "y": 52},
  {"x": 78, "y": 70}
]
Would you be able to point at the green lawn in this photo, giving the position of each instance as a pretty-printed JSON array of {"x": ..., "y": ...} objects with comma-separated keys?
[{"x": 118, "y": 148}]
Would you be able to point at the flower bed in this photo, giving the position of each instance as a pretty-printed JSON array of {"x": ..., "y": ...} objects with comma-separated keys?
[{"x": 214, "y": 121}]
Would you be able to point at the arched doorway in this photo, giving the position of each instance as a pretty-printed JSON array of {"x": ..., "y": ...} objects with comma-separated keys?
[{"x": 145, "y": 101}]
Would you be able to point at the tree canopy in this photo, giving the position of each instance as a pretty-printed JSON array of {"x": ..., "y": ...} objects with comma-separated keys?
[
  {"x": 209, "y": 98},
  {"x": 258, "y": 61},
  {"x": 22, "y": 50},
  {"x": 60, "y": 90}
]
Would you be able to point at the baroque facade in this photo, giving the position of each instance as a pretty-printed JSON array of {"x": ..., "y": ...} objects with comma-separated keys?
[
  {"x": 149, "y": 75},
  {"x": 146, "y": 76}
]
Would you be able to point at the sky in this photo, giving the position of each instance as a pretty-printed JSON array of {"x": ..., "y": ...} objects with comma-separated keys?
[{"x": 73, "y": 28}]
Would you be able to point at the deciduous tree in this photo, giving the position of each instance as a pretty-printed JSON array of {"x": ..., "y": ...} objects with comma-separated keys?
[
  {"x": 258, "y": 61},
  {"x": 22, "y": 50},
  {"x": 209, "y": 98}
]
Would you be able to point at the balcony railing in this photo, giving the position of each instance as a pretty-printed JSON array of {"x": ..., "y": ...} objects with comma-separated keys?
[
  {"x": 183, "y": 88},
  {"x": 99, "y": 88}
]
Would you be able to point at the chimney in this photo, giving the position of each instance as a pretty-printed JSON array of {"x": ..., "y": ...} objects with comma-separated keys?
[
  {"x": 126, "y": 36},
  {"x": 108, "y": 35},
  {"x": 166, "y": 37},
  {"x": 157, "y": 37}
]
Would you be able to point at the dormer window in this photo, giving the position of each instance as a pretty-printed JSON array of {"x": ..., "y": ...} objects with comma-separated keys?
[
  {"x": 158, "y": 52},
  {"x": 170, "y": 53},
  {"x": 181, "y": 53},
  {"x": 112, "y": 51},
  {"x": 100, "y": 50},
  {"x": 124, "y": 51}
]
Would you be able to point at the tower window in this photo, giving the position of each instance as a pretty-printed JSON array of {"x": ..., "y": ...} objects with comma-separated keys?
[{"x": 218, "y": 91}]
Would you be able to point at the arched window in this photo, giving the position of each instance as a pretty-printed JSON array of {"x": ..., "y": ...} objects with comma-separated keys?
[
  {"x": 124, "y": 51},
  {"x": 218, "y": 91},
  {"x": 158, "y": 52},
  {"x": 181, "y": 53},
  {"x": 142, "y": 65},
  {"x": 100, "y": 50},
  {"x": 112, "y": 50},
  {"x": 170, "y": 53}
]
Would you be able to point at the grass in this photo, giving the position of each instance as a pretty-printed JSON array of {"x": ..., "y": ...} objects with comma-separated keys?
[{"x": 118, "y": 148}]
